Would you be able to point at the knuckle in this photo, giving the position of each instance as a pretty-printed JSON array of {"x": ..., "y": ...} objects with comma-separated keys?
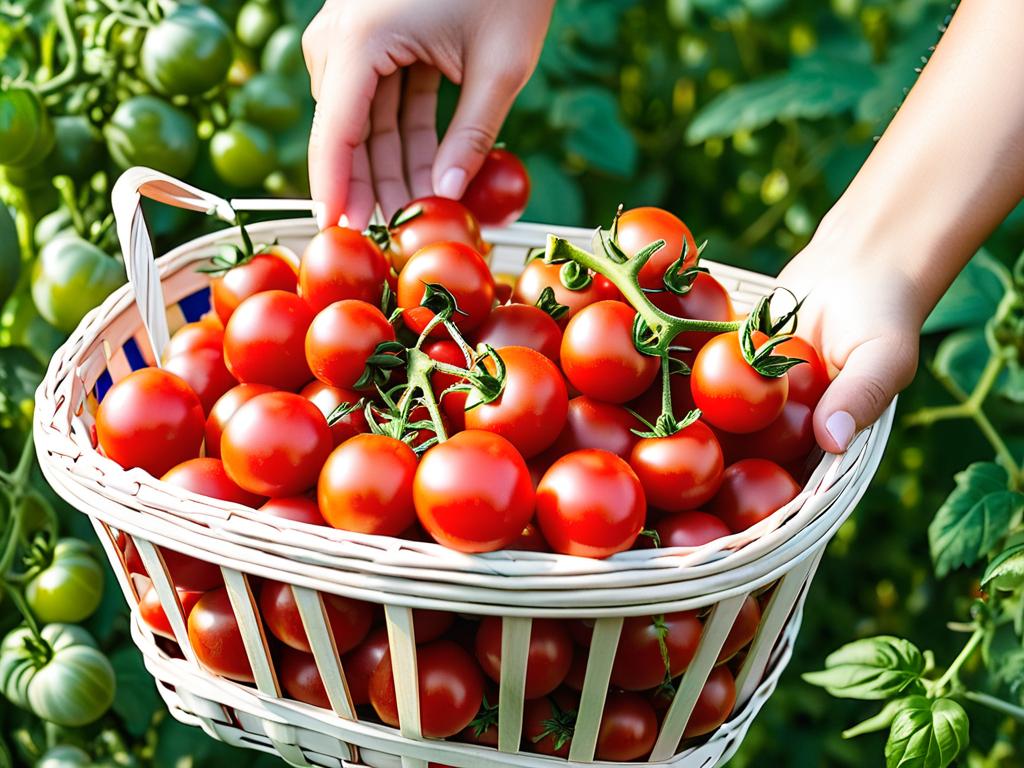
[
  {"x": 876, "y": 394},
  {"x": 479, "y": 138}
]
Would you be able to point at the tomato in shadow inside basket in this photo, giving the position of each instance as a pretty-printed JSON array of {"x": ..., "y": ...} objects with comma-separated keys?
[
  {"x": 327, "y": 399},
  {"x": 714, "y": 705},
  {"x": 206, "y": 476},
  {"x": 547, "y": 661},
  {"x": 338, "y": 264},
  {"x": 193, "y": 336},
  {"x": 360, "y": 663},
  {"x": 301, "y": 679},
  {"x": 498, "y": 193},
  {"x": 751, "y": 490},
  {"x": 430, "y": 220},
  {"x": 265, "y": 340},
  {"x": 809, "y": 380},
  {"x": 301, "y": 509},
  {"x": 707, "y": 299},
  {"x": 216, "y": 639},
  {"x": 743, "y": 629},
  {"x": 691, "y": 528},
  {"x": 655, "y": 648},
  {"x": 462, "y": 271},
  {"x": 790, "y": 438},
  {"x": 549, "y": 723},
  {"x": 269, "y": 270},
  {"x": 629, "y": 727},
  {"x": 152, "y": 612},
  {"x": 186, "y": 572},
  {"x": 350, "y": 620}
]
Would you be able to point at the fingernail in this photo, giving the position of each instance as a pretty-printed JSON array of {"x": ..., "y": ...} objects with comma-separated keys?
[
  {"x": 841, "y": 426},
  {"x": 451, "y": 183}
]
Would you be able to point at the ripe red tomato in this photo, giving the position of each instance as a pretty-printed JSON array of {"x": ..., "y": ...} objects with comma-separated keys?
[
  {"x": 451, "y": 689},
  {"x": 592, "y": 423},
  {"x": 809, "y": 380},
  {"x": 639, "y": 227},
  {"x": 150, "y": 419},
  {"x": 629, "y": 727},
  {"x": 547, "y": 661},
  {"x": 681, "y": 471},
  {"x": 366, "y": 485},
  {"x": 530, "y": 411},
  {"x": 689, "y": 529},
  {"x": 751, "y": 490},
  {"x": 152, "y": 612},
  {"x": 275, "y": 444},
  {"x": 473, "y": 492},
  {"x": 714, "y": 705},
  {"x": 729, "y": 392},
  {"x": 267, "y": 271},
  {"x": 577, "y": 670},
  {"x": 186, "y": 572},
  {"x": 648, "y": 404},
  {"x": 598, "y": 355},
  {"x": 483, "y": 729},
  {"x": 225, "y": 408},
  {"x": 458, "y": 268},
  {"x": 301, "y": 679},
  {"x": 216, "y": 639},
  {"x": 521, "y": 325},
  {"x": 639, "y": 660},
  {"x": 339, "y": 264},
  {"x": 360, "y": 662},
  {"x": 327, "y": 398},
  {"x": 350, "y": 620},
  {"x": 549, "y": 722},
  {"x": 537, "y": 276},
  {"x": 341, "y": 339},
  {"x": 590, "y": 504},
  {"x": 743, "y": 629},
  {"x": 498, "y": 193},
  {"x": 430, "y": 220},
  {"x": 206, "y": 476},
  {"x": 193, "y": 336},
  {"x": 301, "y": 509},
  {"x": 707, "y": 299},
  {"x": 205, "y": 372},
  {"x": 265, "y": 340},
  {"x": 453, "y": 403},
  {"x": 787, "y": 439},
  {"x": 429, "y": 625}
]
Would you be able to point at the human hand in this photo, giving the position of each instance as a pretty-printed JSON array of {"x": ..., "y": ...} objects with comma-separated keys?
[{"x": 375, "y": 69}]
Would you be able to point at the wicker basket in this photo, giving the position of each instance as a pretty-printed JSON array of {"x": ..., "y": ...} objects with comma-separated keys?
[{"x": 774, "y": 559}]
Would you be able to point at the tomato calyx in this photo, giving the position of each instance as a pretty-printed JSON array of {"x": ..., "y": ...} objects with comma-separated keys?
[
  {"x": 661, "y": 630},
  {"x": 229, "y": 256},
  {"x": 560, "y": 726},
  {"x": 762, "y": 359},
  {"x": 548, "y": 303},
  {"x": 486, "y": 719},
  {"x": 386, "y": 357},
  {"x": 381, "y": 233},
  {"x": 392, "y": 420},
  {"x": 486, "y": 384}
]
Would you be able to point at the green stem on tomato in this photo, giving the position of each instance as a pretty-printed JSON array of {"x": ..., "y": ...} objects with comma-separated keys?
[
  {"x": 419, "y": 369},
  {"x": 997, "y": 704},
  {"x": 667, "y": 413},
  {"x": 18, "y": 601},
  {"x": 953, "y": 670},
  {"x": 66, "y": 188}
]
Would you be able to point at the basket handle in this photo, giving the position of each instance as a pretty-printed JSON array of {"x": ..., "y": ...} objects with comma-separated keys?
[{"x": 137, "y": 246}]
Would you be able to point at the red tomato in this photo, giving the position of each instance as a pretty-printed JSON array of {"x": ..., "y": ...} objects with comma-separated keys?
[
  {"x": 809, "y": 380},
  {"x": 681, "y": 471},
  {"x": 592, "y": 423},
  {"x": 714, "y": 705},
  {"x": 640, "y": 663},
  {"x": 639, "y": 227},
  {"x": 504, "y": 284},
  {"x": 521, "y": 325},
  {"x": 225, "y": 408},
  {"x": 216, "y": 639},
  {"x": 451, "y": 689},
  {"x": 531, "y": 409},
  {"x": 301, "y": 679},
  {"x": 787, "y": 439},
  {"x": 458, "y": 268},
  {"x": 265, "y": 340},
  {"x": 327, "y": 398},
  {"x": 473, "y": 492},
  {"x": 366, "y": 485},
  {"x": 590, "y": 504},
  {"x": 341, "y": 339},
  {"x": 339, "y": 264},
  {"x": 275, "y": 444},
  {"x": 301, "y": 509},
  {"x": 483, "y": 729},
  {"x": 186, "y": 572},
  {"x": 454, "y": 403},
  {"x": 707, "y": 299},
  {"x": 429, "y": 625},
  {"x": 268, "y": 271},
  {"x": 150, "y": 419},
  {"x": 547, "y": 661},
  {"x": 193, "y": 336},
  {"x": 537, "y": 276},
  {"x": 743, "y": 629},
  {"x": 152, "y": 612},
  {"x": 432, "y": 220},
  {"x": 690, "y": 529},
  {"x": 360, "y": 662},
  {"x": 498, "y": 193},
  {"x": 730, "y": 394},
  {"x": 577, "y": 670},
  {"x": 751, "y": 490},
  {"x": 350, "y": 620},
  {"x": 598, "y": 355},
  {"x": 211, "y": 320},
  {"x": 629, "y": 727},
  {"x": 207, "y": 477},
  {"x": 205, "y": 372},
  {"x": 549, "y": 722}
]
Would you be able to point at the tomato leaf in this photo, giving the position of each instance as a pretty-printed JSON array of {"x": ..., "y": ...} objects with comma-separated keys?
[
  {"x": 556, "y": 195},
  {"x": 594, "y": 129},
  {"x": 1006, "y": 571},
  {"x": 927, "y": 733},
  {"x": 872, "y": 668},
  {"x": 137, "y": 700},
  {"x": 973, "y": 296}
]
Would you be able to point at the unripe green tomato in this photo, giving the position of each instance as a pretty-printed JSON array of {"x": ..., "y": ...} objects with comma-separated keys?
[
  {"x": 70, "y": 277},
  {"x": 146, "y": 130},
  {"x": 64, "y": 756},
  {"x": 10, "y": 254},
  {"x": 282, "y": 54},
  {"x": 77, "y": 150},
  {"x": 56, "y": 222},
  {"x": 40, "y": 146},
  {"x": 20, "y": 122},
  {"x": 269, "y": 101},
  {"x": 243, "y": 154},
  {"x": 256, "y": 22},
  {"x": 187, "y": 53},
  {"x": 70, "y": 587}
]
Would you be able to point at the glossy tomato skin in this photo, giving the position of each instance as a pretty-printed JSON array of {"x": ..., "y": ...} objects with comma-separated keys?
[
  {"x": 186, "y": 572},
  {"x": 751, "y": 490},
  {"x": 301, "y": 509},
  {"x": 265, "y": 340},
  {"x": 341, "y": 339},
  {"x": 714, "y": 705},
  {"x": 521, "y": 325},
  {"x": 592, "y": 423},
  {"x": 639, "y": 662},
  {"x": 301, "y": 679},
  {"x": 548, "y": 658},
  {"x": 216, "y": 639},
  {"x": 436, "y": 219},
  {"x": 366, "y": 485},
  {"x": 473, "y": 492},
  {"x": 458, "y": 268},
  {"x": 743, "y": 629},
  {"x": 730, "y": 394},
  {"x": 360, "y": 663},
  {"x": 150, "y": 419},
  {"x": 267, "y": 271},
  {"x": 537, "y": 275},
  {"x": 338, "y": 264},
  {"x": 789, "y": 438},
  {"x": 629, "y": 727},
  {"x": 451, "y": 689},
  {"x": 152, "y": 612},
  {"x": 808, "y": 380},
  {"x": 590, "y": 504},
  {"x": 206, "y": 476},
  {"x": 350, "y": 620},
  {"x": 205, "y": 372},
  {"x": 707, "y": 299},
  {"x": 639, "y": 227},
  {"x": 692, "y": 528},
  {"x": 225, "y": 408},
  {"x": 498, "y": 193},
  {"x": 681, "y": 471},
  {"x": 453, "y": 404},
  {"x": 598, "y": 355},
  {"x": 327, "y": 398},
  {"x": 531, "y": 409},
  {"x": 275, "y": 444},
  {"x": 193, "y": 336}
]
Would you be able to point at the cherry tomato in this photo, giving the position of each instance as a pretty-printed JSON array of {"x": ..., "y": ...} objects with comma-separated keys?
[
  {"x": 547, "y": 660},
  {"x": 432, "y": 220},
  {"x": 225, "y": 408},
  {"x": 301, "y": 509},
  {"x": 648, "y": 404},
  {"x": 483, "y": 729},
  {"x": 265, "y": 340},
  {"x": 270, "y": 270},
  {"x": 549, "y": 722},
  {"x": 590, "y": 504},
  {"x": 360, "y": 663},
  {"x": 787, "y": 439},
  {"x": 451, "y": 689},
  {"x": 743, "y": 629},
  {"x": 537, "y": 276},
  {"x": 327, "y": 399},
  {"x": 591, "y": 423},
  {"x": 339, "y": 264},
  {"x": 366, "y": 485},
  {"x": 639, "y": 227},
  {"x": 521, "y": 325},
  {"x": 598, "y": 355},
  {"x": 205, "y": 372},
  {"x": 453, "y": 403},
  {"x": 186, "y": 572},
  {"x": 707, "y": 299},
  {"x": 692, "y": 528},
  {"x": 681, "y": 471},
  {"x": 429, "y": 625},
  {"x": 504, "y": 284},
  {"x": 473, "y": 492},
  {"x": 301, "y": 678},
  {"x": 275, "y": 444},
  {"x": 458, "y": 268},
  {"x": 577, "y": 670},
  {"x": 729, "y": 392},
  {"x": 809, "y": 380},
  {"x": 530, "y": 411},
  {"x": 216, "y": 639},
  {"x": 498, "y": 193},
  {"x": 150, "y": 419},
  {"x": 341, "y": 339},
  {"x": 640, "y": 663},
  {"x": 349, "y": 619},
  {"x": 206, "y": 476},
  {"x": 751, "y": 490},
  {"x": 193, "y": 336},
  {"x": 152, "y": 612},
  {"x": 714, "y": 705},
  {"x": 629, "y": 727}
]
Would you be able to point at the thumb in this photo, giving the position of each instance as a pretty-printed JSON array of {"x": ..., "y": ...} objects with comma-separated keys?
[{"x": 874, "y": 372}]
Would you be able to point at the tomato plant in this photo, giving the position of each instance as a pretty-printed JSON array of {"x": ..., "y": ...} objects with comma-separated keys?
[
  {"x": 69, "y": 586},
  {"x": 538, "y": 276}
]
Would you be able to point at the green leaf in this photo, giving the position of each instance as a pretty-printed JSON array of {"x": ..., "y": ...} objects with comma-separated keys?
[
  {"x": 1003, "y": 655},
  {"x": 927, "y": 733},
  {"x": 973, "y": 296},
  {"x": 555, "y": 196},
  {"x": 974, "y": 517},
  {"x": 137, "y": 699},
  {"x": 878, "y": 722},
  {"x": 873, "y": 668},
  {"x": 591, "y": 117},
  {"x": 1006, "y": 571},
  {"x": 961, "y": 357}
]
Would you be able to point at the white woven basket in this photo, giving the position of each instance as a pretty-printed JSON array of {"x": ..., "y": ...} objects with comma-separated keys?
[{"x": 131, "y": 328}]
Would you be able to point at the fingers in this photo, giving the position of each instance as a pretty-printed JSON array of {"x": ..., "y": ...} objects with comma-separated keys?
[
  {"x": 361, "y": 197},
  {"x": 385, "y": 146},
  {"x": 419, "y": 127}
]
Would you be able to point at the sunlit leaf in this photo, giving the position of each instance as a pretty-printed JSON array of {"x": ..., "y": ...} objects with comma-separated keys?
[
  {"x": 973, "y": 296},
  {"x": 927, "y": 733},
  {"x": 872, "y": 668}
]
